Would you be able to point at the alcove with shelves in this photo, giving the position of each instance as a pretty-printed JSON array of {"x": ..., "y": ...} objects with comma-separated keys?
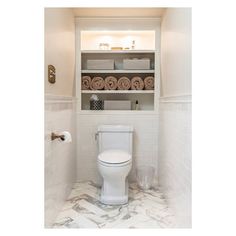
[{"x": 89, "y": 49}]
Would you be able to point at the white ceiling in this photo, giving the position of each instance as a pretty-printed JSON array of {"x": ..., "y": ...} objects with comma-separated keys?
[{"x": 119, "y": 12}]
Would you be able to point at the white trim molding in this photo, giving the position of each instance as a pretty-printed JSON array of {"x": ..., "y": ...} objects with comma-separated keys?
[
  {"x": 117, "y": 23},
  {"x": 50, "y": 98},
  {"x": 181, "y": 98}
]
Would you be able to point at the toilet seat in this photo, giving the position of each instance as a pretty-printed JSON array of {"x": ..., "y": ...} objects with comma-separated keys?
[
  {"x": 114, "y": 157},
  {"x": 114, "y": 165}
]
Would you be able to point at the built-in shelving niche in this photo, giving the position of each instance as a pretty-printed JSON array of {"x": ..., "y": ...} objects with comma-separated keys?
[{"x": 145, "y": 42}]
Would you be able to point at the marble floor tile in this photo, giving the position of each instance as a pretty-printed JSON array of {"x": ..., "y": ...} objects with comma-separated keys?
[{"x": 145, "y": 209}]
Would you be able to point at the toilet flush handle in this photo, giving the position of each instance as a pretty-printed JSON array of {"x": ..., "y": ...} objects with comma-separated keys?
[{"x": 96, "y": 136}]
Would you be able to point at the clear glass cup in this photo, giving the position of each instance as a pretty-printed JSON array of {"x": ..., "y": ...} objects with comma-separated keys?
[{"x": 145, "y": 175}]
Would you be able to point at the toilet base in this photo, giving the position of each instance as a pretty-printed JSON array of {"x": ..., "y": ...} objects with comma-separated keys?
[
  {"x": 114, "y": 201},
  {"x": 114, "y": 193}
]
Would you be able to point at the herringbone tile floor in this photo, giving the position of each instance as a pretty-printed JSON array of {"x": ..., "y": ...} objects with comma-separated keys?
[{"x": 146, "y": 209}]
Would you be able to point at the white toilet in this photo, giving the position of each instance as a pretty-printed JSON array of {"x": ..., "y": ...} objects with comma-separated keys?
[{"x": 114, "y": 162}]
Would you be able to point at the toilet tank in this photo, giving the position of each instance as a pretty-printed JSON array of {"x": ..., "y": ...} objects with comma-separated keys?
[{"x": 115, "y": 137}]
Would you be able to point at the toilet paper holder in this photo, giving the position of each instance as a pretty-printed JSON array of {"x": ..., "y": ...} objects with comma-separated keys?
[{"x": 56, "y": 136}]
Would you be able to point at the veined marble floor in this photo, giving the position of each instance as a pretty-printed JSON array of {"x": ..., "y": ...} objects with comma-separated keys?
[{"x": 145, "y": 209}]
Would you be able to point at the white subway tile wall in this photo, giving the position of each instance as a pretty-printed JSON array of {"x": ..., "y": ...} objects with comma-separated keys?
[
  {"x": 145, "y": 142},
  {"x": 59, "y": 157},
  {"x": 174, "y": 166}
]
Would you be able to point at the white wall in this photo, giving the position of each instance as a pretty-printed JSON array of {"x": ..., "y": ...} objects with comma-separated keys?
[
  {"x": 60, "y": 157},
  {"x": 176, "y": 52},
  {"x": 60, "y": 50},
  {"x": 174, "y": 159},
  {"x": 119, "y": 12}
]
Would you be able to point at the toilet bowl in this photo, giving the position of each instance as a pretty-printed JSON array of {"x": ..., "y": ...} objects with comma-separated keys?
[
  {"x": 114, "y": 162},
  {"x": 114, "y": 167}
]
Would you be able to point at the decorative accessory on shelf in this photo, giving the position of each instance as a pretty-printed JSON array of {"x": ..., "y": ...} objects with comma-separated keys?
[
  {"x": 136, "y": 105},
  {"x": 133, "y": 44},
  {"x": 149, "y": 83},
  {"x": 95, "y": 103},
  {"x": 94, "y": 97},
  {"x": 110, "y": 83},
  {"x": 97, "y": 83},
  {"x": 137, "y": 83},
  {"x": 124, "y": 83},
  {"x": 86, "y": 82},
  {"x": 104, "y": 46},
  {"x": 116, "y": 48}
]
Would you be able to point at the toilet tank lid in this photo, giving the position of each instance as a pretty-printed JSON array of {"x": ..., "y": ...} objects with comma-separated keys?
[
  {"x": 115, "y": 128},
  {"x": 114, "y": 156}
]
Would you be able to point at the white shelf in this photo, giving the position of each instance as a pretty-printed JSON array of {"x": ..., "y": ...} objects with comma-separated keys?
[
  {"x": 119, "y": 91},
  {"x": 118, "y": 71},
  {"x": 118, "y": 51},
  {"x": 117, "y": 112}
]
